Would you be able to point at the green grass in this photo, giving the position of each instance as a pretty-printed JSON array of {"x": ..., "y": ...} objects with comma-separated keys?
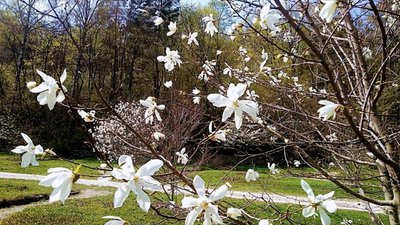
[
  {"x": 91, "y": 211},
  {"x": 12, "y": 163},
  {"x": 281, "y": 183},
  {"x": 13, "y": 190}
]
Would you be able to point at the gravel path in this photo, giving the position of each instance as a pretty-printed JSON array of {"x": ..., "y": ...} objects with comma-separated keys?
[{"x": 341, "y": 203}]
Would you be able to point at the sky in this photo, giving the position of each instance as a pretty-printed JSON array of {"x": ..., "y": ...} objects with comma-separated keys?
[{"x": 201, "y": 2}]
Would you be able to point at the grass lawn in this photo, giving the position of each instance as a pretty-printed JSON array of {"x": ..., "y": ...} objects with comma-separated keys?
[
  {"x": 25, "y": 191},
  {"x": 282, "y": 183},
  {"x": 12, "y": 163},
  {"x": 91, "y": 211}
]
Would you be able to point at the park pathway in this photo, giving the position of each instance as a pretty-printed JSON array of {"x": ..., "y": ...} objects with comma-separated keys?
[{"x": 341, "y": 203}]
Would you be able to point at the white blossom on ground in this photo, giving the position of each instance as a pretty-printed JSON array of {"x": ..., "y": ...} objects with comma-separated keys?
[
  {"x": 328, "y": 110},
  {"x": 115, "y": 220},
  {"x": 87, "y": 117},
  {"x": 168, "y": 84},
  {"x": 170, "y": 59},
  {"x": 182, "y": 156},
  {"x": 232, "y": 104},
  {"x": 251, "y": 175},
  {"x": 136, "y": 181},
  {"x": 272, "y": 168},
  {"x": 48, "y": 90},
  {"x": 195, "y": 91},
  {"x": 152, "y": 109},
  {"x": 346, "y": 222},
  {"x": 320, "y": 203},
  {"x": 61, "y": 179},
  {"x": 158, "y": 21},
  {"x": 332, "y": 137},
  {"x": 172, "y": 28},
  {"x": 328, "y": 10},
  {"x": 297, "y": 163},
  {"x": 30, "y": 150},
  {"x": 210, "y": 27},
  {"x": 234, "y": 213},
  {"x": 204, "y": 203}
]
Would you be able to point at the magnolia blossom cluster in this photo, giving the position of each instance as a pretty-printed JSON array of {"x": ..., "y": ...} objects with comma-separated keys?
[{"x": 111, "y": 136}]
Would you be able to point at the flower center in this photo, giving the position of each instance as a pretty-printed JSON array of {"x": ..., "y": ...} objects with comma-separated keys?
[
  {"x": 235, "y": 103},
  {"x": 136, "y": 179},
  {"x": 204, "y": 204}
]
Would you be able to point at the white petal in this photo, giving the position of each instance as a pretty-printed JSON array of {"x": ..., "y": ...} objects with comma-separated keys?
[
  {"x": 20, "y": 149},
  {"x": 120, "y": 195},
  {"x": 143, "y": 200},
  {"x": 238, "y": 118},
  {"x": 150, "y": 168},
  {"x": 309, "y": 211},
  {"x": 263, "y": 222},
  {"x": 27, "y": 138},
  {"x": 63, "y": 76},
  {"x": 325, "y": 220},
  {"x": 26, "y": 159},
  {"x": 227, "y": 113},
  {"x": 219, "y": 193},
  {"x": 330, "y": 206},
  {"x": 218, "y": 100},
  {"x": 307, "y": 188},
  {"x": 192, "y": 216},
  {"x": 199, "y": 185},
  {"x": 60, "y": 97},
  {"x": 42, "y": 87},
  {"x": 188, "y": 202},
  {"x": 38, "y": 149}
]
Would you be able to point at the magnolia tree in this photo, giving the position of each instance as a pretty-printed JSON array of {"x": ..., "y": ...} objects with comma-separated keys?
[{"x": 314, "y": 75}]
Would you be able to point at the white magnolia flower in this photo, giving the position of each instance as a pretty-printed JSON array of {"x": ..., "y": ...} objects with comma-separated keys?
[
  {"x": 170, "y": 59},
  {"x": 192, "y": 39},
  {"x": 158, "y": 21},
  {"x": 233, "y": 104},
  {"x": 204, "y": 203},
  {"x": 48, "y": 90},
  {"x": 251, "y": 175},
  {"x": 172, "y": 28},
  {"x": 87, "y": 117},
  {"x": 61, "y": 179},
  {"x": 31, "y": 84},
  {"x": 328, "y": 11},
  {"x": 196, "y": 100},
  {"x": 319, "y": 203},
  {"x": 234, "y": 213},
  {"x": 158, "y": 136},
  {"x": 115, "y": 220},
  {"x": 267, "y": 19},
  {"x": 328, "y": 110},
  {"x": 219, "y": 52},
  {"x": 137, "y": 181},
  {"x": 152, "y": 108},
  {"x": 168, "y": 84},
  {"x": 271, "y": 167},
  {"x": 182, "y": 156},
  {"x": 263, "y": 222},
  {"x": 210, "y": 27},
  {"x": 30, "y": 151},
  {"x": 297, "y": 163},
  {"x": 218, "y": 136}
]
